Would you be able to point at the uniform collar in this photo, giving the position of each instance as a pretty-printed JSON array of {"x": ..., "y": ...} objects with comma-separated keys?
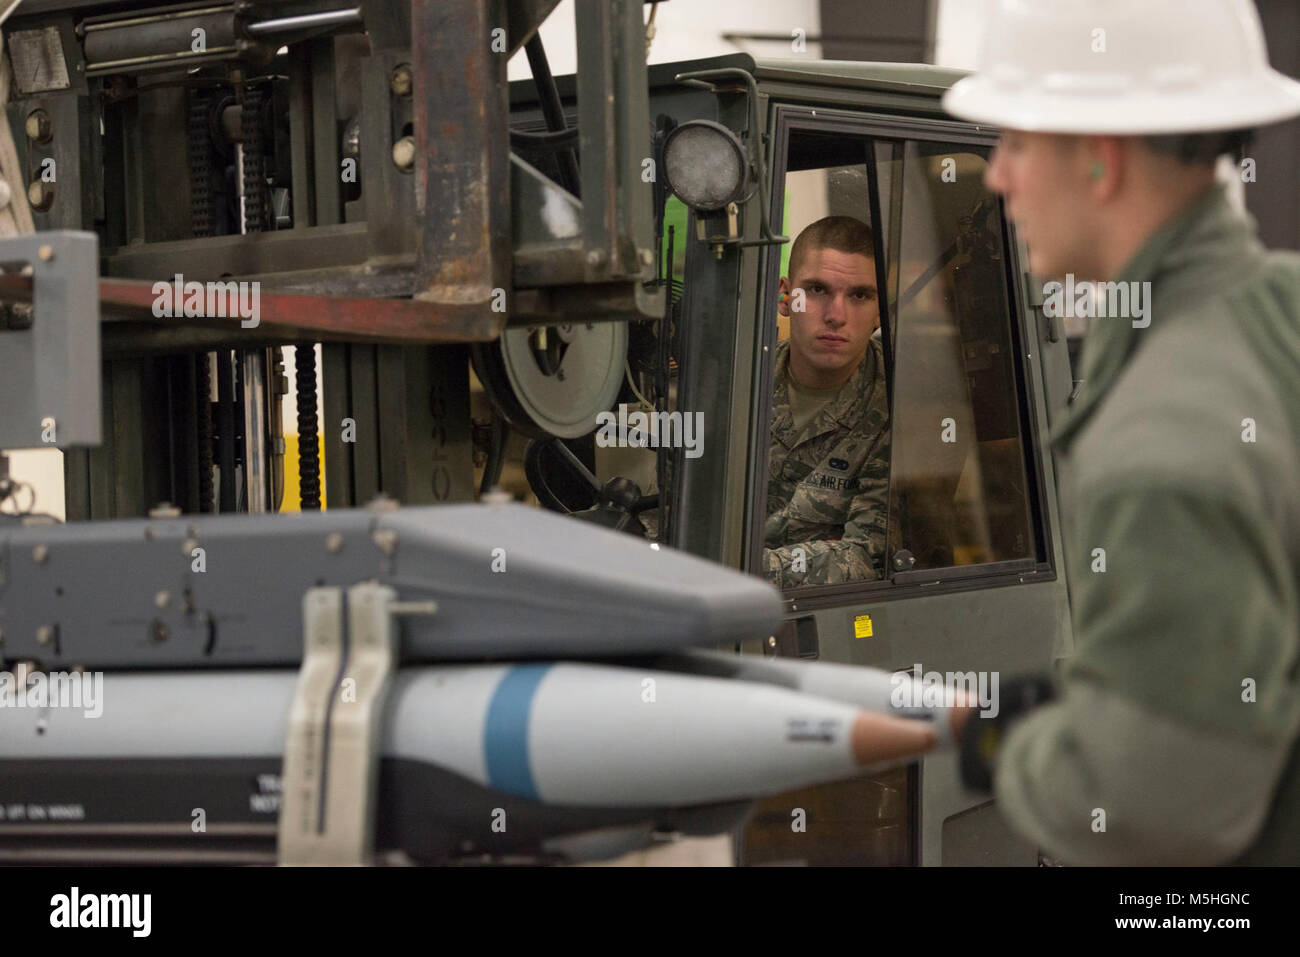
[
  {"x": 844, "y": 410},
  {"x": 1192, "y": 258}
]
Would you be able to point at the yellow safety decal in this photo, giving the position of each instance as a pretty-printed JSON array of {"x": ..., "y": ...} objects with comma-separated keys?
[{"x": 862, "y": 626}]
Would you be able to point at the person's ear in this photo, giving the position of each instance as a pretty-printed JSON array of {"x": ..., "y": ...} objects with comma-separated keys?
[
  {"x": 783, "y": 297},
  {"x": 1106, "y": 157}
]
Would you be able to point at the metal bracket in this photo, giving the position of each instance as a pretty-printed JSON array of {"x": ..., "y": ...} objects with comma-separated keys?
[
  {"x": 1051, "y": 326},
  {"x": 332, "y": 750},
  {"x": 49, "y": 343}
]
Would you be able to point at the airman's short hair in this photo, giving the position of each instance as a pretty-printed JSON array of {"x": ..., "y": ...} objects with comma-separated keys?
[{"x": 844, "y": 234}]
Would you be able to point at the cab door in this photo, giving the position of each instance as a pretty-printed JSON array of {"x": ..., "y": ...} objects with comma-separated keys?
[{"x": 971, "y": 580}]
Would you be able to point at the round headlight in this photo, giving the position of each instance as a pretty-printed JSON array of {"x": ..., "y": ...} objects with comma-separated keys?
[{"x": 706, "y": 165}]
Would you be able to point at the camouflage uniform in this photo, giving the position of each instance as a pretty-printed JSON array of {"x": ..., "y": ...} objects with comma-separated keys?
[{"x": 828, "y": 487}]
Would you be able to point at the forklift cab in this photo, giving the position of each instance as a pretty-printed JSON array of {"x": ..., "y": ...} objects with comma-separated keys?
[{"x": 973, "y": 581}]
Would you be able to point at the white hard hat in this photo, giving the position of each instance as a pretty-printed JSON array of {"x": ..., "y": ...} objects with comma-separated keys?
[{"x": 1124, "y": 67}]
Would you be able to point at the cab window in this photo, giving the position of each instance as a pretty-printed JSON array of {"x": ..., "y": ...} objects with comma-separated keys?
[
  {"x": 958, "y": 484},
  {"x": 828, "y": 462},
  {"x": 947, "y": 491}
]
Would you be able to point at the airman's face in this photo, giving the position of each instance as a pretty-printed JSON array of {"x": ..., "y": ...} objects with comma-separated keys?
[
  {"x": 828, "y": 336},
  {"x": 1043, "y": 179}
]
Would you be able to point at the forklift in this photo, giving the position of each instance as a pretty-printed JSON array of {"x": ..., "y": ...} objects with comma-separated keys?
[{"x": 477, "y": 273}]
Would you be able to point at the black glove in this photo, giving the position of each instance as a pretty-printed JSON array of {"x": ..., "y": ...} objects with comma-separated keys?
[{"x": 981, "y": 738}]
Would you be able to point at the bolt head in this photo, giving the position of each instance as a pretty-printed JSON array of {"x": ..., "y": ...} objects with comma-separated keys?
[
  {"x": 402, "y": 82},
  {"x": 37, "y": 126},
  {"x": 386, "y": 540},
  {"x": 39, "y": 195},
  {"x": 404, "y": 153}
]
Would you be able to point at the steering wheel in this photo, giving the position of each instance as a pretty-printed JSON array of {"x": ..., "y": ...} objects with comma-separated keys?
[{"x": 616, "y": 504}]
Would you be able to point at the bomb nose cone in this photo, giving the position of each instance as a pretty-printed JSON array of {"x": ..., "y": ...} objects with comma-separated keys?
[{"x": 880, "y": 738}]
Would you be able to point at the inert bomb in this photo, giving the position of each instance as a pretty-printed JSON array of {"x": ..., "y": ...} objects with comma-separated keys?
[
  {"x": 589, "y": 735},
  {"x": 605, "y": 736}
]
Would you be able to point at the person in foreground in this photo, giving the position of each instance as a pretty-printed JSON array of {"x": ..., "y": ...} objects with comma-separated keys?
[{"x": 1170, "y": 736}]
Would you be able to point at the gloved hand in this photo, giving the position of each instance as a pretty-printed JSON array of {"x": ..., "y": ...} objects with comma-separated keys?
[{"x": 981, "y": 738}]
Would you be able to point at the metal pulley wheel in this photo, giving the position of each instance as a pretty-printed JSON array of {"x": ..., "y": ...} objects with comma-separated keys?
[{"x": 554, "y": 380}]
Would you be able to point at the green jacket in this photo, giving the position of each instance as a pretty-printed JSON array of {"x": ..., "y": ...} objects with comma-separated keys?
[
  {"x": 1180, "y": 459},
  {"x": 828, "y": 486}
]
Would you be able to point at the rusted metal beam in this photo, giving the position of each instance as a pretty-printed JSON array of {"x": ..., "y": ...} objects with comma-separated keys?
[
  {"x": 315, "y": 317},
  {"x": 462, "y": 166},
  {"x": 280, "y": 317}
]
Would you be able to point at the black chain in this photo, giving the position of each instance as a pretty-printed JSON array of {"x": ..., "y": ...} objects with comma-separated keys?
[
  {"x": 200, "y": 162},
  {"x": 255, "y": 199},
  {"x": 308, "y": 448},
  {"x": 203, "y": 385}
]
